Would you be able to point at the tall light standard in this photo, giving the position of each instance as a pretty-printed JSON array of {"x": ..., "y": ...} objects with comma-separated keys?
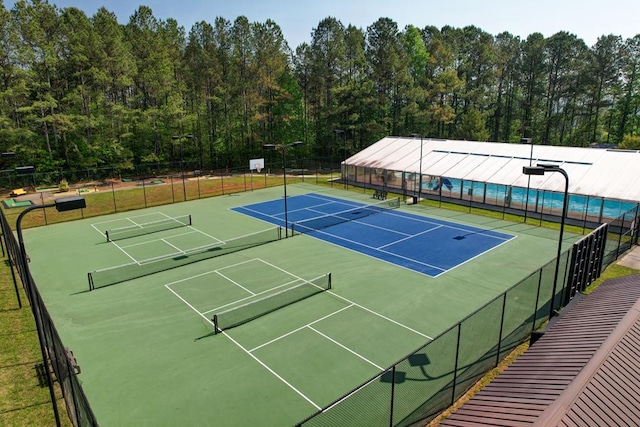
[
  {"x": 526, "y": 202},
  {"x": 420, "y": 183},
  {"x": 346, "y": 175},
  {"x": 180, "y": 138},
  {"x": 283, "y": 148},
  {"x": 541, "y": 169},
  {"x": 62, "y": 205}
]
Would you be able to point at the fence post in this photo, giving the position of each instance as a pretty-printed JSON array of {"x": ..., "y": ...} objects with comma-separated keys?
[
  {"x": 455, "y": 369},
  {"x": 504, "y": 305},
  {"x": 535, "y": 310},
  {"x": 620, "y": 232},
  {"x": 113, "y": 192},
  {"x": 393, "y": 387},
  {"x": 634, "y": 240},
  {"x": 144, "y": 193}
]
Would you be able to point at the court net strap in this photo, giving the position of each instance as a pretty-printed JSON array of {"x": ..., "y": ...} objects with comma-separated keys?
[
  {"x": 266, "y": 304},
  {"x": 147, "y": 228},
  {"x": 352, "y": 214},
  {"x": 122, "y": 273}
]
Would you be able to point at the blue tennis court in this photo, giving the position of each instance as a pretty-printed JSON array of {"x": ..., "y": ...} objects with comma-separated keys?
[{"x": 426, "y": 245}]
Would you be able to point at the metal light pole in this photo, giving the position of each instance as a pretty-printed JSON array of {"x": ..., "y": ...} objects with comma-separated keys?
[
  {"x": 62, "y": 204},
  {"x": 346, "y": 175},
  {"x": 420, "y": 174},
  {"x": 541, "y": 169},
  {"x": 283, "y": 149},
  {"x": 526, "y": 203},
  {"x": 180, "y": 138}
]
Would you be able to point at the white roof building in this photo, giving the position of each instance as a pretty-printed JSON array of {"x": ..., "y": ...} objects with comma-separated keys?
[{"x": 595, "y": 172}]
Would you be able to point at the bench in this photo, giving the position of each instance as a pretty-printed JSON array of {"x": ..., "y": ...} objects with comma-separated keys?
[{"x": 380, "y": 194}]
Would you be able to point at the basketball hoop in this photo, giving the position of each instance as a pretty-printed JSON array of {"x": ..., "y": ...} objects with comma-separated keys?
[{"x": 257, "y": 167}]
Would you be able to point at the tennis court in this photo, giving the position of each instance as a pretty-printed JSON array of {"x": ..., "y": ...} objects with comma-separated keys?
[
  {"x": 426, "y": 245},
  {"x": 301, "y": 320}
]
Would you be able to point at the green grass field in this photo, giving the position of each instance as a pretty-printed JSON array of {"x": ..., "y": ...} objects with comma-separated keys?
[{"x": 146, "y": 348}]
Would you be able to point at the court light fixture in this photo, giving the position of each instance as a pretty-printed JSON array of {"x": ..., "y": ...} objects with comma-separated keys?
[
  {"x": 541, "y": 169},
  {"x": 283, "y": 148}
]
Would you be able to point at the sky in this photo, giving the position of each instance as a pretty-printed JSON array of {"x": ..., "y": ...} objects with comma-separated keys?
[{"x": 587, "y": 19}]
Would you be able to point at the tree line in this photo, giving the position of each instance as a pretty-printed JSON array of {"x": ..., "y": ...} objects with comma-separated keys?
[{"x": 84, "y": 92}]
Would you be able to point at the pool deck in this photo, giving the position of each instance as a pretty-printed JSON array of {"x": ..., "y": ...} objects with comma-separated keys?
[{"x": 631, "y": 259}]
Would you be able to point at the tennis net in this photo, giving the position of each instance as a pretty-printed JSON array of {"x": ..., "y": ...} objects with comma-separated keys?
[
  {"x": 329, "y": 220},
  {"x": 147, "y": 228},
  {"x": 266, "y": 304},
  {"x": 134, "y": 270}
]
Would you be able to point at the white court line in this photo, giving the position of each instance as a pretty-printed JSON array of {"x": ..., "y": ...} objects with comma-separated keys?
[
  {"x": 207, "y": 272},
  {"x": 346, "y": 348},
  {"x": 349, "y": 302},
  {"x": 173, "y": 246},
  {"x": 246, "y": 351},
  {"x": 146, "y": 242},
  {"x": 273, "y": 372},
  {"x": 251, "y": 296},
  {"x": 471, "y": 228},
  {"x": 358, "y": 305},
  {"x": 236, "y": 283},
  {"x": 125, "y": 252},
  {"x": 132, "y": 221},
  {"x": 202, "y": 232},
  {"x": 300, "y": 328},
  {"x": 307, "y": 208},
  {"x": 376, "y": 249},
  {"x": 410, "y": 236},
  {"x": 331, "y": 199},
  {"x": 98, "y": 230},
  {"x": 136, "y": 216},
  {"x": 258, "y": 212}
]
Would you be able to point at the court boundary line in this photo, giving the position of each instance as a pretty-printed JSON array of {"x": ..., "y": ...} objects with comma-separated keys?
[
  {"x": 250, "y": 296},
  {"x": 254, "y": 357},
  {"x": 347, "y": 300},
  {"x": 381, "y": 250},
  {"x": 349, "y": 303},
  {"x": 417, "y": 217},
  {"x": 500, "y": 236}
]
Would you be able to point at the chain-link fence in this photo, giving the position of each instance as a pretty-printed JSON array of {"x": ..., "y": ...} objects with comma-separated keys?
[
  {"x": 413, "y": 390},
  {"x": 433, "y": 377}
]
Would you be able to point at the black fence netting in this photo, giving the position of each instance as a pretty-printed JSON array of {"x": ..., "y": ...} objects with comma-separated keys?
[
  {"x": 416, "y": 388},
  {"x": 57, "y": 358},
  {"x": 429, "y": 380}
]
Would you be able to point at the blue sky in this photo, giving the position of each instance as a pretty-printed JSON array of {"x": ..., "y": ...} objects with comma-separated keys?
[{"x": 588, "y": 19}]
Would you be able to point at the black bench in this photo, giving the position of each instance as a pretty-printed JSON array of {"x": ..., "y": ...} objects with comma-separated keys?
[{"x": 380, "y": 194}]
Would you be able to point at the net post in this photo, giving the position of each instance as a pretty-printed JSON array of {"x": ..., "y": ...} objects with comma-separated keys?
[
  {"x": 215, "y": 324},
  {"x": 190, "y": 223},
  {"x": 90, "y": 281},
  {"x": 329, "y": 284},
  {"x": 106, "y": 233}
]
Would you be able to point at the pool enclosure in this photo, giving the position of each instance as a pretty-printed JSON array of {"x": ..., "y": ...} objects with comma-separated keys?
[{"x": 602, "y": 184}]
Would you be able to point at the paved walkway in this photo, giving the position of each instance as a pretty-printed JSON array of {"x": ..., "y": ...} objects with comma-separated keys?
[{"x": 631, "y": 259}]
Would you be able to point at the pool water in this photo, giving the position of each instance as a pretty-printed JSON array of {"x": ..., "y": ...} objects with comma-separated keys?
[{"x": 578, "y": 204}]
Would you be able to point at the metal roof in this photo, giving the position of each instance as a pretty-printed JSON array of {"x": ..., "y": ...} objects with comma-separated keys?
[
  {"x": 585, "y": 371},
  {"x": 612, "y": 174}
]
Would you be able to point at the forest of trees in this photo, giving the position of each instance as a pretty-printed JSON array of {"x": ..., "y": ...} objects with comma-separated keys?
[{"x": 85, "y": 92}]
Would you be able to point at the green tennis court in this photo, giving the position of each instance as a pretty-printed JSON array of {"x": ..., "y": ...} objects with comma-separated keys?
[{"x": 147, "y": 347}]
